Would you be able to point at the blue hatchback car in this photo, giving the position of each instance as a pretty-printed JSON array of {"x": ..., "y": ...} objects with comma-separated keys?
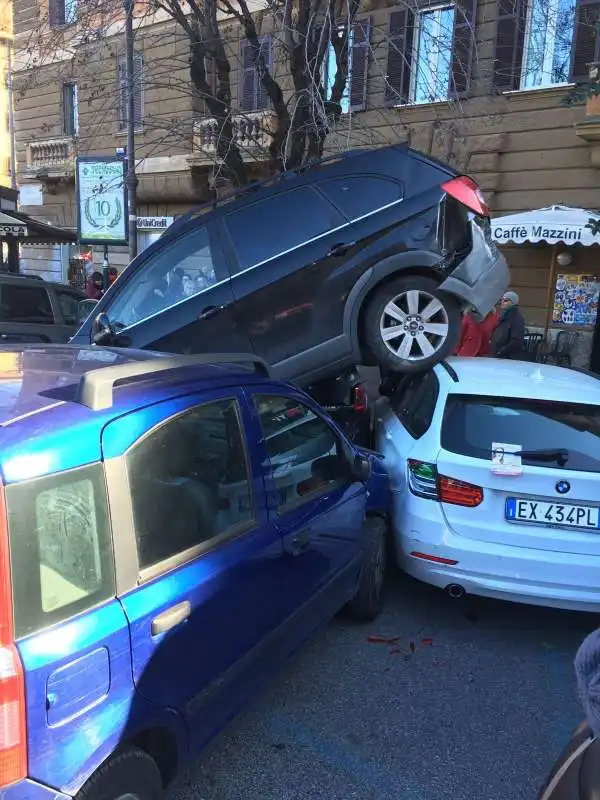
[{"x": 170, "y": 530}]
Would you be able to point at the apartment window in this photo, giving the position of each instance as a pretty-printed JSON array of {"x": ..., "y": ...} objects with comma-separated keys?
[
  {"x": 253, "y": 95},
  {"x": 432, "y": 58},
  {"x": 330, "y": 71},
  {"x": 62, "y": 12},
  {"x": 70, "y": 110},
  {"x": 138, "y": 91},
  {"x": 354, "y": 97},
  {"x": 545, "y": 42},
  {"x": 430, "y": 53},
  {"x": 548, "y": 43}
]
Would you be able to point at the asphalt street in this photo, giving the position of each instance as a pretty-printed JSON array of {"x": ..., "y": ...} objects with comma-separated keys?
[{"x": 472, "y": 700}]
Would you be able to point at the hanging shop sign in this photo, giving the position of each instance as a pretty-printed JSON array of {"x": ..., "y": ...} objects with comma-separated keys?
[
  {"x": 153, "y": 223},
  {"x": 576, "y": 300},
  {"x": 13, "y": 230},
  {"x": 101, "y": 201}
]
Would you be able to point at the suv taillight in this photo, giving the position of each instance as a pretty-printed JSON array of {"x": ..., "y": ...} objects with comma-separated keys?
[
  {"x": 13, "y": 742},
  {"x": 466, "y": 191},
  {"x": 360, "y": 398},
  {"x": 424, "y": 481}
]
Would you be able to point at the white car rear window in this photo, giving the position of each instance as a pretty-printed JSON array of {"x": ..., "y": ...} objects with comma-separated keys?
[{"x": 550, "y": 433}]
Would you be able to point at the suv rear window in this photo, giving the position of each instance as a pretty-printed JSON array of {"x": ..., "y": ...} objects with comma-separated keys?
[
  {"x": 60, "y": 547},
  {"x": 358, "y": 195},
  {"x": 294, "y": 218},
  {"x": 542, "y": 428}
]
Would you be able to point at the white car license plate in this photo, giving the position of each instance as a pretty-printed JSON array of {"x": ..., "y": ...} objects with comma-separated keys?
[{"x": 563, "y": 514}]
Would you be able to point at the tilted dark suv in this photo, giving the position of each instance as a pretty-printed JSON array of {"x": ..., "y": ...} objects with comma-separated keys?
[{"x": 366, "y": 257}]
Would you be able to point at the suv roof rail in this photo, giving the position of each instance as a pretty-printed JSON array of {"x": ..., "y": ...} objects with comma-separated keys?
[
  {"x": 95, "y": 388},
  {"x": 450, "y": 370}
]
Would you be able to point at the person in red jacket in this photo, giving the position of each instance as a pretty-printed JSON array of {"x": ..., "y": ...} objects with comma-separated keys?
[{"x": 475, "y": 336}]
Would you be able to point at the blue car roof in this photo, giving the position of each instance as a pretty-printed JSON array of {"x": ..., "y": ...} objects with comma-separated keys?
[{"x": 44, "y": 429}]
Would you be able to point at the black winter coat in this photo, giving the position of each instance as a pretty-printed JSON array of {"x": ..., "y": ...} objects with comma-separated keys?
[
  {"x": 576, "y": 774},
  {"x": 508, "y": 337}
]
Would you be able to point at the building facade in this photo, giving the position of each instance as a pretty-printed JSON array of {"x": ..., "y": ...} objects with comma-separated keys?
[{"x": 482, "y": 84}]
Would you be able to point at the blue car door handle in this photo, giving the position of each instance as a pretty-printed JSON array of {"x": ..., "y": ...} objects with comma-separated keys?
[
  {"x": 170, "y": 618},
  {"x": 300, "y": 541}
]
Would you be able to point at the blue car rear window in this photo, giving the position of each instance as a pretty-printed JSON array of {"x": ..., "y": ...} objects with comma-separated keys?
[{"x": 60, "y": 547}]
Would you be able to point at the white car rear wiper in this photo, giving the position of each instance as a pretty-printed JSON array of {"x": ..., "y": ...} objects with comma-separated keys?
[{"x": 559, "y": 455}]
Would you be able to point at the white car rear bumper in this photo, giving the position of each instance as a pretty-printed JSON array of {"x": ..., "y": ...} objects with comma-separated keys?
[{"x": 523, "y": 575}]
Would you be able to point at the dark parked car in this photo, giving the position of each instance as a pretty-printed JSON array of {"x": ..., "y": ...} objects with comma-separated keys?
[
  {"x": 171, "y": 530},
  {"x": 367, "y": 257},
  {"x": 34, "y": 310}
]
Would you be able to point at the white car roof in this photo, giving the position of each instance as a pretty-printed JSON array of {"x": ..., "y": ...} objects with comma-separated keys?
[{"x": 508, "y": 378}]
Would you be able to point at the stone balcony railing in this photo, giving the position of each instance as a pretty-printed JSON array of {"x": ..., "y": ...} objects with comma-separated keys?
[
  {"x": 50, "y": 158},
  {"x": 252, "y": 134}
]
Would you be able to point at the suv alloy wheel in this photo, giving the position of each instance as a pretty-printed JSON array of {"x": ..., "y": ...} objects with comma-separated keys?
[{"x": 410, "y": 325}]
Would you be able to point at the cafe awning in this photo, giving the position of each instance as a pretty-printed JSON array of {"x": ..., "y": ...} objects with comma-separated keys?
[
  {"x": 553, "y": 225},
  {"x": 32, "y": 231}
]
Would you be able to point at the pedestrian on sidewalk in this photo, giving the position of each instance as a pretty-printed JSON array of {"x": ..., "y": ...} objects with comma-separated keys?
[
  {"x": 508, "y": 337},
  {"x": 93, "y": 288},
  {"x": 475, "y": 334}
]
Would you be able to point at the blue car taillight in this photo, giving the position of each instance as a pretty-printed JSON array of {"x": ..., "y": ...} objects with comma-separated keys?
[{"x": 13, "y": 742}]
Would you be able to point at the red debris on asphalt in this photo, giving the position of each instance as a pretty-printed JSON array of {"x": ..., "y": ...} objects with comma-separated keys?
[
  {"x": 374, "y": 639},
  {"x": 427, "y": 641}
]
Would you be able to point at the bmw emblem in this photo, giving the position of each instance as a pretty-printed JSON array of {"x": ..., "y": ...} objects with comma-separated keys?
[{"x": 562, "y": 487}]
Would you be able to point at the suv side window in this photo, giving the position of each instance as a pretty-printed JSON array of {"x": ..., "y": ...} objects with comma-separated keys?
[
  {"x": 69, "y": 306},
  {"x": 190, "y": 484},
  {"x": 179, "y": 270},
  {"x": 25, "y": 304},
  {"x": 293, "y": 218},
  {"x": 414, "y": 402},
  {"x": 358, "y": 195},
  {"x": 60, "y": 547},
  {"x": 306, "y": 457}
]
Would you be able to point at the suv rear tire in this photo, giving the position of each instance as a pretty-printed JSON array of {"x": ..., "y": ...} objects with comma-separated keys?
[
  {"x": 427, "y": 323},
  {"x": 130, "y": 774}
]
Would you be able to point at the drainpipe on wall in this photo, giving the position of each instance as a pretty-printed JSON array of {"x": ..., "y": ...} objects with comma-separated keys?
[{"x": 11, "y": 117}]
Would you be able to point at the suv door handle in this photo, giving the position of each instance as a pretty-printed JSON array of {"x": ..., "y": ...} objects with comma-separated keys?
[
  {"x": 210, "y": 311},
  {"x": 300, "y": 541},
  {"x": 170, "y": 618},
  {"x": 340, "y": 249}
]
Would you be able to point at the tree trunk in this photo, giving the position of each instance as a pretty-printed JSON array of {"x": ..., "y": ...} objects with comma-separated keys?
[{"x": 230, "y": 164}]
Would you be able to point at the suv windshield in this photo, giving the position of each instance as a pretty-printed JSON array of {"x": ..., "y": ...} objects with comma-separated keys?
[{"x": 549, "y": 433}]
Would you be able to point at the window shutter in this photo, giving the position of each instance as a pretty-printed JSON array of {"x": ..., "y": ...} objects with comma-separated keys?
[
  {"x": 400, "y": 36},
  {"x": 248, "y": 82},
  {"x": 68, "y": 109},
  {"x": 586, "y": 40},
  {"x": 56, "y": 12},
  {"x": 122, "y": 93},
  {"x": 462, "y": 48},
  {"x": 359, "y": 64},
  {"x": 138, "y": 89},
  {"x": 510, "y": 38},
  {"x": 262, "y": 96}
]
